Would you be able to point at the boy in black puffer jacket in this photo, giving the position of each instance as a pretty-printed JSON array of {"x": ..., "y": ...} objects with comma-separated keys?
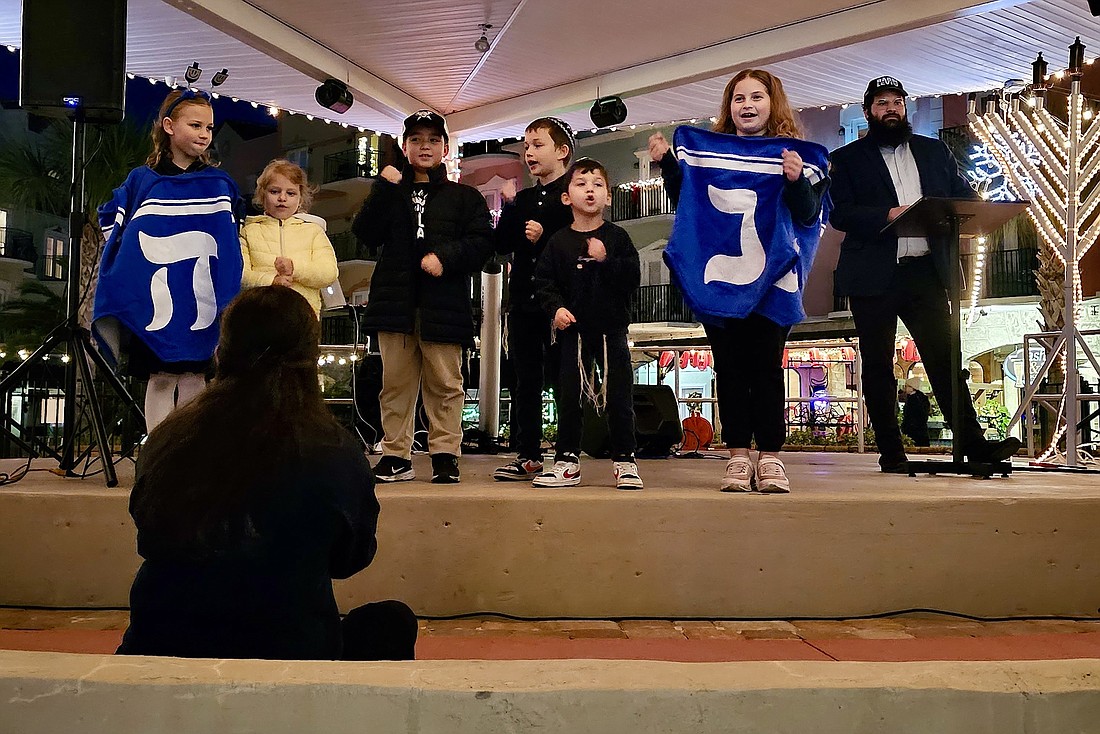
[{"x": 433, "y": 234}]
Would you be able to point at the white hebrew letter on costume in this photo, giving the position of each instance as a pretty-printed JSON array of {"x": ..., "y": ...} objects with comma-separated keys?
[
  {"x": 199, "y": 246},
  {"x": 749, "y": 265}
]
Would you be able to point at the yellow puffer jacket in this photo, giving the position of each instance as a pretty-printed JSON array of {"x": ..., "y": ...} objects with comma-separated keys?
[{"x": 265, "y": 238}]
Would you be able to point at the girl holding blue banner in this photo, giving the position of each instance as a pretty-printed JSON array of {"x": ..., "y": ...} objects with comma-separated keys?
[
  {"x": 172, "y": 260},
  {"x": 749, "y": 215}
]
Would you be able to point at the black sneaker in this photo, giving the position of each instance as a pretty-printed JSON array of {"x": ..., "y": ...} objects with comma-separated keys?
[
  {"x": 393, "y": 469},
  {"x": 894, "y": 464},
  {"x": 994, "y": 451},
  {"x": 444, "y": 469}
]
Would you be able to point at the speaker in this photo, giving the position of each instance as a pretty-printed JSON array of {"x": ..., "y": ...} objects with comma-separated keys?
[
  {"x": 73, "y": 58},
  {"x": 335, "y": 95},
  {"x": 607, "y": 111},
  {"x": 657, "y": 427}
]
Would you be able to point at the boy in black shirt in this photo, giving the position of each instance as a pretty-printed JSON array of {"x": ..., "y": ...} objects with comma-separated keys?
[
  {"x": 526, "y": 224},
  {"x": 585, "y": 279}
]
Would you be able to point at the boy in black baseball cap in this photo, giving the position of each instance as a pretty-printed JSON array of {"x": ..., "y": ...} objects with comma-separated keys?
[
  {"x": 433, "y": 234},
  {"x": 430, "y": 121}
]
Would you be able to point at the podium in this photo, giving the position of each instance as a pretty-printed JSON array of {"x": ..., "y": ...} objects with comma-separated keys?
[{"x": 949, "y": 219}]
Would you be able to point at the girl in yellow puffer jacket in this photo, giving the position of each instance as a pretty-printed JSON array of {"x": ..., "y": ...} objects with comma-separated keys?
[{"x": 284, "y": 246}]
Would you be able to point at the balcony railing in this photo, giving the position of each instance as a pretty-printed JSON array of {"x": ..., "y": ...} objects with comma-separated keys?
[
  {"x": 344, "y": 165},
  {"x": 17, "y": 244},
  {"x": 641, "y": 200},
  {"x": 1007, "y": 273},
  {"x": 660, "y": 303}
]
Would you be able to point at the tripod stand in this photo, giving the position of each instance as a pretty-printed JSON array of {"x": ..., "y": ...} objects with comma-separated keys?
[{"x": 77, "y": 341}]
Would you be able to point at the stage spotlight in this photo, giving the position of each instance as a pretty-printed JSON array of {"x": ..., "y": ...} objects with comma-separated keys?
[
  {"x": 608, "y": 111},
  {"x": 193, "y": 72},
  {"x": 334, "y": 95},
  {"x": 220, "y": 77},
  {"x": 482, "y": 44}
]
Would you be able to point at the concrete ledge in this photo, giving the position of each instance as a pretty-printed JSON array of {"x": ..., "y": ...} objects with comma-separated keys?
[
  {"x": 848, "y": 541},
  {"x": 52, "y": 692}
]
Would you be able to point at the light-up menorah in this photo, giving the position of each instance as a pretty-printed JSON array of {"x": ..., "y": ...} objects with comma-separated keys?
[{"x": 1064, "y": 190}]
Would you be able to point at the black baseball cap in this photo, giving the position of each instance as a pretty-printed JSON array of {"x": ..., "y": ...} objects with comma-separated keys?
[
  {"x": 425, "y": 118},
  {"x": 882, "y": 84}
]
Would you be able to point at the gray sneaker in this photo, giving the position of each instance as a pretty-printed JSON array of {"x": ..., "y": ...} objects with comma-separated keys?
[{"x": 626, "y": 475}]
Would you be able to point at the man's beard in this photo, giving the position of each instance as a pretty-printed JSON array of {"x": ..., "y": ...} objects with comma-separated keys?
[{"x": 890, "y": 135}]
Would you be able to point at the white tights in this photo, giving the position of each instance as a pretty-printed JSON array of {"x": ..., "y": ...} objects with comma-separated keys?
[{"x": 166, "y": 392}]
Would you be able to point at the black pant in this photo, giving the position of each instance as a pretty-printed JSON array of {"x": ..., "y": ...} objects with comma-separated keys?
[
  {"x": 916, "y": 296},
  {"x": 382, "y": 630},
  {"x": 619, "y": 379},
  {"x": 530, "y": 353},
  {"x": 748, "y": 369}
]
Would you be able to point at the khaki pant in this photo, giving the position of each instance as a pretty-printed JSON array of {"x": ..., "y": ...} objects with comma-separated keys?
[{"x": 411, "y": 365}]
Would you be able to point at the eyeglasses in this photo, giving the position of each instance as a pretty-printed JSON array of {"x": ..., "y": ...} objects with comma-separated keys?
[{"x": 186, "y": 95}]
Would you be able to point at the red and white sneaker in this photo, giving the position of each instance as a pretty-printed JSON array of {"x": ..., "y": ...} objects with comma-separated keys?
[
  {"x": 519, "y": 470},
  {"x": 563, "y": 474}
]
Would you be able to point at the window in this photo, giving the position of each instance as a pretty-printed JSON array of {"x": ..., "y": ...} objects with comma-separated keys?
[
  {"x": 299, "y": 157},
  {"x": 54, "y": 264}
]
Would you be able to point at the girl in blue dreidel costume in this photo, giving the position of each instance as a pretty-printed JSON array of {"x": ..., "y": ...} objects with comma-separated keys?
[
  {"x": 748, "y": 221},
  {"x": 172, "y": 258}
]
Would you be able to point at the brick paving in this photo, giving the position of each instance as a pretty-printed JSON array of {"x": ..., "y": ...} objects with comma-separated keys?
[{"x": 54, "y": 629}]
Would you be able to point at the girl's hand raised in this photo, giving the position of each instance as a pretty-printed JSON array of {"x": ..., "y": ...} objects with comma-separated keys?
[{"x": 792, "y": 165}]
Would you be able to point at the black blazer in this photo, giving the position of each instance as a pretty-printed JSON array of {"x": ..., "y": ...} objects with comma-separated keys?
[{"x": 863, "y": 195}]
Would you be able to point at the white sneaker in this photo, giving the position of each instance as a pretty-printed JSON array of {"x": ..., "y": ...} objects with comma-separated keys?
[
  {"x": 771, "y": 476},
  {"x": 626, "y": 475},
  {"x": 562, "y": 474},
  {"x": 739, "y": 475}
]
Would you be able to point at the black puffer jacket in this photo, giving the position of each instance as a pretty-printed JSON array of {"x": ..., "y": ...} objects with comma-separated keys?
[{"x": 457, "y": 229}]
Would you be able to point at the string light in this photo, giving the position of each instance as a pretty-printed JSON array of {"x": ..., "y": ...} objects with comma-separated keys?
[
  {"x": 1039, "y": 157},
  {"x": 976, "y": 282}
]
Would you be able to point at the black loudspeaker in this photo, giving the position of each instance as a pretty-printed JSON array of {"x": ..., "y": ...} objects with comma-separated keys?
[
  {"x": 335, "y": 95},
  {"x": 607, "y": 111},
  {"x": 73, "y": 57},
  {"x": 657, "y": 427}
]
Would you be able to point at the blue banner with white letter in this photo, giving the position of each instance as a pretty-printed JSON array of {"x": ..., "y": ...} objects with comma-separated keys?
[
  {"x": 171, "y": 262},
  {"x": 734, "y": 248}
]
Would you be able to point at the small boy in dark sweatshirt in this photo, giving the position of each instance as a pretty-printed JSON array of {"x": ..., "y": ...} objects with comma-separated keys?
[{"x": 584, "y": 280}]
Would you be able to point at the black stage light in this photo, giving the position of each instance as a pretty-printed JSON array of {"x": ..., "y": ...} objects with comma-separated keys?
[
  {"x": 607, "y": 111},
  {"x": 335, "y": 95}
]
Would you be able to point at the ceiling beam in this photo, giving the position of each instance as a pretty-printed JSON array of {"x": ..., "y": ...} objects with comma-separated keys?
[
  {"x": 289, "y": 46},
  {"x": 871, "y": 19}
]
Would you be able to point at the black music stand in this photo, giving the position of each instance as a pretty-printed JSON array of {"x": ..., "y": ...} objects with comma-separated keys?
[{"x": 949, "y": 219}]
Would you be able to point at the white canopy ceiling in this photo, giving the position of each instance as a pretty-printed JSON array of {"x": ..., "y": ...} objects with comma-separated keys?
[{"x": 667, "y": 60}]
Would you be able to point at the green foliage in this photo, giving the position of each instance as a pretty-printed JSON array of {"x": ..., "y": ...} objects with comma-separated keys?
[
  {"x": 27, "y": 318},
  {"x": 36, "y": 170},
  {"x": 997, "y": 415}
]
